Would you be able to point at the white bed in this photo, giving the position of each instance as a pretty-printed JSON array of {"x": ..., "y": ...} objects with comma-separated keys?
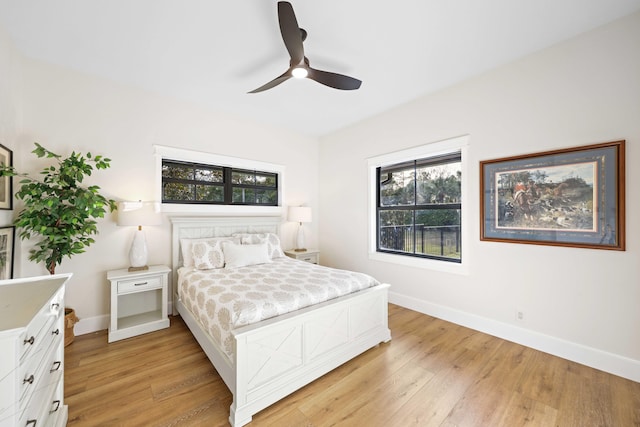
[{"x": 279, "y": 355}]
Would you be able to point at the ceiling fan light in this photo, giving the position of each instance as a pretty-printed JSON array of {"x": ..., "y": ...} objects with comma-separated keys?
[{"x": 299, "y": 72}]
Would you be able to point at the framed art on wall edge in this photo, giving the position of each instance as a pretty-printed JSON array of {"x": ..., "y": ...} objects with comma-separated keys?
[
  {"x": 570, "y": 197},
  {"x": 7, "y": 237},
  {"x": 6, "y": 182}
]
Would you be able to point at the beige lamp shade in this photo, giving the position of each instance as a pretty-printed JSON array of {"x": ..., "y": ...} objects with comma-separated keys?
[
  {"x": 138, "y": 214},
  {"x": 299, "y": 214}
]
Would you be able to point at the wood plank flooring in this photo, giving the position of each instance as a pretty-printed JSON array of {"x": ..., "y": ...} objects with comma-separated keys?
[{"x": 432, "y": 373}]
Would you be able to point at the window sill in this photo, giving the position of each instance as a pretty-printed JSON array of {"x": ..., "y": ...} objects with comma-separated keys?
[
  {"x": 428, "y": 264},
  {"x": 223, "y": 209}
]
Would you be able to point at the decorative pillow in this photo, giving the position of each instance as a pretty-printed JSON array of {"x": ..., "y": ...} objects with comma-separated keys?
[
  {"x": 243, "y": 255},
  {"x": 186, "y": 246},
  {"x": 272, "y": 241}
]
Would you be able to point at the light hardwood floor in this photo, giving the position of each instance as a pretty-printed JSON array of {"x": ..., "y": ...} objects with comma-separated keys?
[{"x": 432, "y": 373}]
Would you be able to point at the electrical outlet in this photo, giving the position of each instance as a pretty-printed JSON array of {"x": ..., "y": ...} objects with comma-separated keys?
[{"x": 520, "y": 315}]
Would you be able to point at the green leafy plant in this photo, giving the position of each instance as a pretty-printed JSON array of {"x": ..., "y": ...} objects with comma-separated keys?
[{"x": 57, "y": 208}]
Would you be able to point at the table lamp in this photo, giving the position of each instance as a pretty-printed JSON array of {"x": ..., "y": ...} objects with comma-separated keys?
[{"x": 138, "y": 214}]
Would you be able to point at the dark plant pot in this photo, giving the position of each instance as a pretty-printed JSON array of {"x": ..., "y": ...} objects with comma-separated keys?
[{"x": 70, "y": 319}]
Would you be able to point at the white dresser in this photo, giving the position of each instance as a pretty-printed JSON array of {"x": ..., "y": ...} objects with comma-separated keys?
[{"x": 32, "y": 352}]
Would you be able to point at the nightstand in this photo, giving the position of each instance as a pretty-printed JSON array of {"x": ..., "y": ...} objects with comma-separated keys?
[
  {"x": 309, "y": 255},
  {"x": 138, "y": 301}
]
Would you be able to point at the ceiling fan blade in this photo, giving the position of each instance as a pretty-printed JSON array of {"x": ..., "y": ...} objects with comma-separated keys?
[
  {"x": 293, "y": 37},
  {"x": 273, "y": 83},
  {"x": 291, "y": 34},
  {"x": 336, "y": 81}
]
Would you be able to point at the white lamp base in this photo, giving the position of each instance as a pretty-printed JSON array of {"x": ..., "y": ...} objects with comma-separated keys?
[
  {"x": 138, "y": 254},
  {"x": 300, "y": 240}
]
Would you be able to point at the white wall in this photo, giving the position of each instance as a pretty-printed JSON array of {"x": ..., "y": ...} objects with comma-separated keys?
[
  {"x": 64, "y": 110},
  {"x": 578, "y": 303}
]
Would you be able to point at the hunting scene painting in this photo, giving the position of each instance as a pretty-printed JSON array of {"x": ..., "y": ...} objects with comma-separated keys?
[
  {"x": 572, "y": 197},
  {"x": 557, "y": 197}
]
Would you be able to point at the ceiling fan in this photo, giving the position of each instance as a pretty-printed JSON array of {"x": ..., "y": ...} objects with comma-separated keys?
[{"x": 299, "y": 67}]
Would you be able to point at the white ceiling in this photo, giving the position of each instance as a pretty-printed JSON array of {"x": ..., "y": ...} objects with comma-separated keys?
[{"x": 213, "y": 52}]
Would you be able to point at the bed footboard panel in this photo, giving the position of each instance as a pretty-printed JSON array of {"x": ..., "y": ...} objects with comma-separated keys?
[
  {"x": 278, "y": 358},
  {"x": 220, "y": 362}
]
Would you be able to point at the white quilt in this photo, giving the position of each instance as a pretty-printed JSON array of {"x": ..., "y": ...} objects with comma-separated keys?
[{"x": 224, "y": 299}]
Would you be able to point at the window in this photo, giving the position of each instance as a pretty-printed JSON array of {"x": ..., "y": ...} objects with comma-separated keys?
[
  {"x": 419, "y": 207},
  {"x": 416, "y": 214},
  {"x": 194, "y": 183}
]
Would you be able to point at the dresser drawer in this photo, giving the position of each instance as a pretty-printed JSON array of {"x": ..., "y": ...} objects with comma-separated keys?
[
  {"x": 39, "y": 328},
  {"x": 42, "y": 404},
  {"x": 45, "y": 363},
  {"x": 143, "y": 284}
]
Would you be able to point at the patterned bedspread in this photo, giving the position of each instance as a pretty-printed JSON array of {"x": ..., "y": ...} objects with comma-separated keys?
[{"x": 224, "y": 299}]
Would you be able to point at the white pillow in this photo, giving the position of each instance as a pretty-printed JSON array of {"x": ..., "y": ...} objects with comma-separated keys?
[
  {"x": 243, "y": 255},
  {"x": 272, "y": 240},
  {"x": 186, "y": 248}
]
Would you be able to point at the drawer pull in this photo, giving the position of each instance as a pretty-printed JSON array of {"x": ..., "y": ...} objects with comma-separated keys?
[
  {"x": 31, "y": 422},
  {"x": 55, "y": 309},
  {"x": 28, "y": 380},
  {"x": 56, "y": 332},
  {"x": 141, "y": 284},
  {"x": 56, "y": 365},
  {"x": 57, "y": 403},
  {"x": 30, "y": 340}
]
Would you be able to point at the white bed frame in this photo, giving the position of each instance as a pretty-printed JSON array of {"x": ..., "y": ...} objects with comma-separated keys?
[{"x": 277, "y": 356}]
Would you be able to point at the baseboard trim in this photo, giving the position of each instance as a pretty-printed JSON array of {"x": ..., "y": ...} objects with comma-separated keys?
[
  {"x": 612, "y": 363},
  {"x": 88, "y": 325}
]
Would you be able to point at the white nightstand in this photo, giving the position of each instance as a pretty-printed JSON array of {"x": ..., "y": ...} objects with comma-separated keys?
[
  {"x": 309, "y": 255},
  {"x": 138, "y": 301}
]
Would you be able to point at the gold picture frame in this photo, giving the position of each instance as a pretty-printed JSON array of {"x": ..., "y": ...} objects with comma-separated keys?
[{"x": 570, "y": 197}]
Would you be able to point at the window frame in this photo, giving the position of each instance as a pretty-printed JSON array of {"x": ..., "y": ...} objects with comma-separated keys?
[
  {"x": 215, "y": 160},
  {"x": 452, "y": 157},
  {"x": 227, "y": 185},
  {"x": 433, "y": 149}
]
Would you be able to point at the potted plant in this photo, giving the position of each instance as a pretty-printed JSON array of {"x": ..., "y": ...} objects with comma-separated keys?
[{"x": 60, "y": 211}]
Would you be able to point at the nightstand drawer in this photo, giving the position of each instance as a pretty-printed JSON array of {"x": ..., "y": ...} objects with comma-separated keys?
[
  {"x": 312, "y": 258},
  {"x": 308, "y": 255},
  {"x": 141, "y": 284}
]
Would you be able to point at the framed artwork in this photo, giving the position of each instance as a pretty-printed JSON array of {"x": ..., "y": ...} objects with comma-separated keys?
[
  {"x": 6, "y": 182},
  {"x": 570, "y": 197},
  {"x": 7, "y": 237}
]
